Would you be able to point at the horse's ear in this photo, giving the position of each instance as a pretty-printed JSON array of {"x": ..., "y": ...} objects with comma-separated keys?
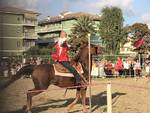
[
  {"x": 101, "y": 50},
  {"x": 84, "y": 44},
  {"x": 51, "y": 45},
  {"x": 96, "y": 50}
]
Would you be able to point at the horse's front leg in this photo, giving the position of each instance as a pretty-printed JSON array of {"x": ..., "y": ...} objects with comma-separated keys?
[
  {"x": 30, "y": 94},
  {"x": 70, "y": 106},
  {"x": 83, "y": 95}
]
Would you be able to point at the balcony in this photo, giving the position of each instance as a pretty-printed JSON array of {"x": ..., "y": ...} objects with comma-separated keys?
[
  {"x": 49, "y": 29},
  {"x": 126, "y": 50},
  {"x": 30, "y": 36},
  {"x": 25, "y": 48},
  {"x": 27, "y": 44},
  {"x": 30, "y": 23}
]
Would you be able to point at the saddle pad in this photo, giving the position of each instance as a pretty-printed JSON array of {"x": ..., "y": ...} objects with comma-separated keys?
[
  {"x": 64, "y": 74},
  {"x": 61, "y": 69},
  {"x": 68, "y": 74}
]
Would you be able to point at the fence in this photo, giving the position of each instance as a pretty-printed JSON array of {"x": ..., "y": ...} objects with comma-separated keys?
[
  {"x": 108, "y": 85},
  {"x": 98, "y": 66},
  {"x": 106, "y": 66}
]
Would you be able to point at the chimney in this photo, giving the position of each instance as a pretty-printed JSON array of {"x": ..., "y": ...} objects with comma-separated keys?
[{"x": 63, "y": 14}]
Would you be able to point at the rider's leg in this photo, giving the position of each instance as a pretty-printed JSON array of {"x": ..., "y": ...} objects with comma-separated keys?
[{"x": 72, "y": 70}]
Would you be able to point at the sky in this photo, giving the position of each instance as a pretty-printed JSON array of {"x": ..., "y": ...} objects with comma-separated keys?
[{"x": 133, "y": 10}]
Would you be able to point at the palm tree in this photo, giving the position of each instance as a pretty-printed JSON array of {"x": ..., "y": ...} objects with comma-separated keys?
[{"x": 80, "y": 30}]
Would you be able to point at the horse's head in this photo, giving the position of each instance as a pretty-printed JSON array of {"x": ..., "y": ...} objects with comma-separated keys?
[
  {"x": 83, "y": 55},
  {"x": 84, "y": 52},
  {"x": 96, "y": 49}
]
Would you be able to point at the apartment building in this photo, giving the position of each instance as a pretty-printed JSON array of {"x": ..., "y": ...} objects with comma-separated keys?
[
  {"x": 17, "y": 30},
  {"x": 48, "y": 29}
]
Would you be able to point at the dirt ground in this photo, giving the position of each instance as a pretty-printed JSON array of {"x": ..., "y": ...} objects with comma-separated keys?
[{"x": 129, "y": 95}]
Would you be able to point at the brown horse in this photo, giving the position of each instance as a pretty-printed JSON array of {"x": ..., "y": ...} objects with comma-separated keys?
[{"x": 43, "y": 75}]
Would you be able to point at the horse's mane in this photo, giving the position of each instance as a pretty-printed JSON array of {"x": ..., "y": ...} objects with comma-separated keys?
[{"x": 77, "y": 55}]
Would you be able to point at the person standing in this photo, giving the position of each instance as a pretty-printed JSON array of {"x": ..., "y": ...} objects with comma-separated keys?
[
  {"x": 126, "y": 66},
  {"x": 137, "y": 68},
  {"x": 119, "y": 66}
]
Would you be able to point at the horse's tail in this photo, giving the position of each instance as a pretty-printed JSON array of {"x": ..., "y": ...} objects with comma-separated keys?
[{"x": 25, "y": 70}]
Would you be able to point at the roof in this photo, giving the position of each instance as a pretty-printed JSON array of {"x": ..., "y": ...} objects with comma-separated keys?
[
  {"x": 68, "y": 16},
  {"x": 15, "y": 10}
]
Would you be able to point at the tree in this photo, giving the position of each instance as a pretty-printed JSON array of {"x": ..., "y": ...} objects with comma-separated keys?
[
  {"x": 111, "y": 29},
  {"x": 35, "y": 50},
  {"x": 141, "y": 30},
  {"x": 80, "y": 30}
]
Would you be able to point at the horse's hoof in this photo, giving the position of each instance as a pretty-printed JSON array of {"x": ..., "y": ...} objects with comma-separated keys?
[
  {"x": 85, "y": 111},
  {"x": 69, "y": 107},
  {"x": 67, "y": 110},
  {"x": 24, "y": 107},
  {"x": 28, "y": 111}
]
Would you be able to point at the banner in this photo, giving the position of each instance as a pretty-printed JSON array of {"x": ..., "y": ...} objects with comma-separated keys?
[{"x": 138, "y": 43}]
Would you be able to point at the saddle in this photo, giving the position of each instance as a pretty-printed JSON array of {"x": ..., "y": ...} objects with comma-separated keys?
[
  {"x": 62, "y": 74},
  {"x": 62, "y": 71}
]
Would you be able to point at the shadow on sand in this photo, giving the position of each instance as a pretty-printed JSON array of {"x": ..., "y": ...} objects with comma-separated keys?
[{"x": 98, "y": 101}]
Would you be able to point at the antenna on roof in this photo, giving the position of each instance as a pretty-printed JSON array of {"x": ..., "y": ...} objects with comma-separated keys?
[
  {"x": 48, "y": 17},
  {"x": 65, "y": 6},
  {"x": 64, "y": 10}
]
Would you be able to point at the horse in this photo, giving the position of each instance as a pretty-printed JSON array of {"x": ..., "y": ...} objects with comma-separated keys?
[{"x": 44, "y": 74}]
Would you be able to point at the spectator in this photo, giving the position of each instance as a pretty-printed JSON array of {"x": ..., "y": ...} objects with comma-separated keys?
[
  {"x": 131, "y": 69},
  {"x": 13, "y": 69},
  {"x": 126, "y": 66},
  {"x": 147, "y": 69},
  {"x": 108, "y": 68},
  {"x": 137, "y": 68},
  {"x": 94, "y": 71},
  {"x": 119, "y": 66},
  {"x": 38, "y": 61},
  {"x": 24, "y": 60},
  {"x": 101, "y": 69}
]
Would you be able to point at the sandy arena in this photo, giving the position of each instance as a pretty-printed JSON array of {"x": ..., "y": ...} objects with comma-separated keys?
[{"x": 128, "y": 96}]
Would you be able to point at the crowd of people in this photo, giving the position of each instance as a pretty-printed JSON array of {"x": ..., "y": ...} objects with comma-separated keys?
[
  {"x": 127, "y": 67},
  {"x": 121, "y": 67},
  {"x": 9, "y": 66}
]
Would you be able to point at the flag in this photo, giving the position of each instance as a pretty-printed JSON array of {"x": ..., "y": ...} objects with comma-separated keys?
[{"x": 138, "y": 43}]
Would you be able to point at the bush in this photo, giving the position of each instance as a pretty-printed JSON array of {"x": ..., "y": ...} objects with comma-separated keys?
[{"x": 35, "y": 50}]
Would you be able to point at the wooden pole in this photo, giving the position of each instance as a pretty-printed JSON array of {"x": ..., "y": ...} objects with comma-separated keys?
[
  {"x": 109, "y": 98},
  {"x": 90, "y": 97}
]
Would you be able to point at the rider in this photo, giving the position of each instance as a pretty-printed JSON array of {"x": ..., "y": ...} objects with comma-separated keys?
[{"x": 62, "y": 56}]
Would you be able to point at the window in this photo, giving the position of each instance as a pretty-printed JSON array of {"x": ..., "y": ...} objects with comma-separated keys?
[
  {"x": 18, "y": 29},
  {"x": 23, "y": 44},
  {"x": 18, "y": 43},
  {"x": 18, "y": 18}
]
